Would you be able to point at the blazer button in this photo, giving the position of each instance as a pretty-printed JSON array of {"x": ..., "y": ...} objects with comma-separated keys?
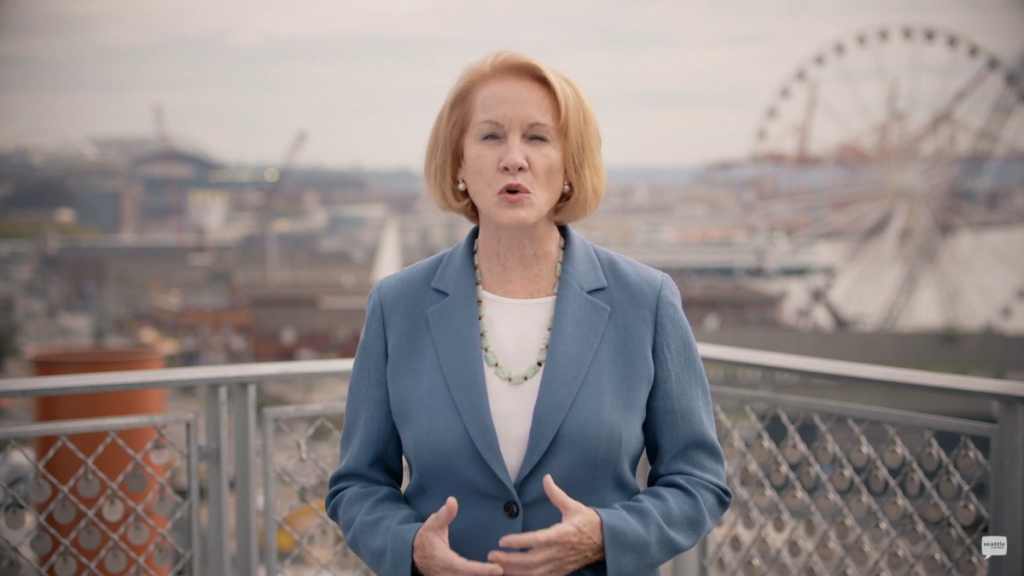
[{"x": 511, "y": 509}]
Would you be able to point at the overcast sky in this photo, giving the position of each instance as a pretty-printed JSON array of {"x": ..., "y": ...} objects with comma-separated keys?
[{"x": 673, "y": 82}]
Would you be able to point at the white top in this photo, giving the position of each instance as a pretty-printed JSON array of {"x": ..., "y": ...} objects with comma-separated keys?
[{"x": 515, "y": 328}]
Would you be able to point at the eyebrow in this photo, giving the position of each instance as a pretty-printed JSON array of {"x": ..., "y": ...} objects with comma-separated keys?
[{"x": 528, "y": 126}]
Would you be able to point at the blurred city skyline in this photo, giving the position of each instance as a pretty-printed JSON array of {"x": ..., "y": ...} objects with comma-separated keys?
[{"x": 673, "y": 83}]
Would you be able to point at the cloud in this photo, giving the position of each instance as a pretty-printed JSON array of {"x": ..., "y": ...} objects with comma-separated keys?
[{"x": 673, "y": 82}]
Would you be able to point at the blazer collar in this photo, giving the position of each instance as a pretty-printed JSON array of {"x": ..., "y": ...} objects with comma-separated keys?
[{"x": 579, "y": 325}]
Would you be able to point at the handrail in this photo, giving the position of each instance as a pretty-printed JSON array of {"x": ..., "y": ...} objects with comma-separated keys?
[
  {"x": 172, "y": 377},
  {"x": 862, "y": 372},
  {"x": 263, "y": 371}
]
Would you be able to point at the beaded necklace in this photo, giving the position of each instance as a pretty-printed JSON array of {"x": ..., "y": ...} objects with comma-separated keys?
[{"x": 489, "y": 356}]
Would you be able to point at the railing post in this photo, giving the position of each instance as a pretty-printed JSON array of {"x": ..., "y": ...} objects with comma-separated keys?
[
  {"x": 269, "y": 500},
  {"x": 215, "y": 454},
  {"x": 246, "y": 543},
  {"x": 194, "y": 491},
  {"x": 1008, "y": 489}
]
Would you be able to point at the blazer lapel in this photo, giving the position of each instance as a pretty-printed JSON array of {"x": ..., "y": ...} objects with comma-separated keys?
[
  {"x": 579, "y": 325},
  {"x": 456, "y": 334}
]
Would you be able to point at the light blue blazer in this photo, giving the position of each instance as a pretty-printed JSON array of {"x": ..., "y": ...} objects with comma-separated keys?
[{"x": 622, "y": 374}]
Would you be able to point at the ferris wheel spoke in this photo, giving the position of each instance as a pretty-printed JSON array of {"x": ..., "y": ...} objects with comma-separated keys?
[
  {"x": 969, "y": 132},
  {"x": 966, "y": 127},
  {"x": 946, "y": 144},
  {"x": 890, "y": 237},
  {"x": 839, "y": 121},
  {"x": 854, "y": 92},
  {"x": 915, "y": 72},
  {"x": 864, "y": 217},
  {"x": 880, "y": 70},
  {"x": 951, "y": 291},
  {"x": 923, "y": 247},
  {"x": 943, "y": 114},
  {"x": 856, "y": 143},
  {"x": 828, "y": 206},
  {"x": 938, "y": 177},
  {"x": 872, "y": 219},
  {"x": 961, "y": 270},
  {"x": 945, "y": 81},
  {"x": 1011, "y": 142},
  {"x": 876, "y": 143},
  {"x": 819, "y": 197}
]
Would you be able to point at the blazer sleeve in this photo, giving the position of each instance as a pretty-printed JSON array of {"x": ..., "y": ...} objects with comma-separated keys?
[
  {"x": 687, "y": 492},
  {"x": 364, "y": 494}
]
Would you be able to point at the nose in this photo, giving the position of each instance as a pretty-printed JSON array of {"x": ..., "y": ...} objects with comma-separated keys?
[{"x": 513, "y": 161}]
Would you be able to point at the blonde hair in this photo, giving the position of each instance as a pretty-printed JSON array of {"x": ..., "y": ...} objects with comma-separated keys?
[{"x": 584, "y": 168}]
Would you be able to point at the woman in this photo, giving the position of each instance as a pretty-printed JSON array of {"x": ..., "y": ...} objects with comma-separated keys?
[{"x": 522, "y": 372}]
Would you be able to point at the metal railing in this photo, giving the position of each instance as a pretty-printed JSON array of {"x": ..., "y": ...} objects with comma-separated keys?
[
  {"x": 837, "y": 467},
  {"x": 138, "y": 518}
]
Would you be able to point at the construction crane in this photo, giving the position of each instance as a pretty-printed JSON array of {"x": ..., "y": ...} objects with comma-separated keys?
[
  {"x": 166, "y": 154},
  {"x": 272, "y": 249}
]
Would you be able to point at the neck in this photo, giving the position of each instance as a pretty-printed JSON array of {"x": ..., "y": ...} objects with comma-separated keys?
[{"x": 518, "y": 263}]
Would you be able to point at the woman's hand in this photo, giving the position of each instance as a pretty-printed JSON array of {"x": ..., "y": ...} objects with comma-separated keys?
[
  {"x": 433, "y": 556},
  {"x": 569, "y": 545}
]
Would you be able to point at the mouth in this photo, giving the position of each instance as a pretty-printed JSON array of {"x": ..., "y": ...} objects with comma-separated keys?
[{"x": 514, "y": 190}]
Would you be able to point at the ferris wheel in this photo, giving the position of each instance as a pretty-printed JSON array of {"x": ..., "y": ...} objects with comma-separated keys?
[{"x": 893, "y": 143}]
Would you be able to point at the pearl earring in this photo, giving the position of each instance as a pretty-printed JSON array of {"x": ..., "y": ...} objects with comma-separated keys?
[
  {"x": 462, "y": 186},
  {"x": 566, "y": 188}
]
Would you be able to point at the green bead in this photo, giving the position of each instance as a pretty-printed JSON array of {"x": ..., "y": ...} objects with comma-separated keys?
[{"x": 490, "y": 358}]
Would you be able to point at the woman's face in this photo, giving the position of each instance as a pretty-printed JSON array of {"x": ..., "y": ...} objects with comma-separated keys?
[{"x": 512, "y": 159}]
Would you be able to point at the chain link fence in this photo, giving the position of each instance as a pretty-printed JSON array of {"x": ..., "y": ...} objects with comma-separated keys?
[
  {"x": 834, "y": 488},
  {"x": 822, "y": 486},
  {"x": 301, "y": 450},
  {"x": 105, "y": 495}
]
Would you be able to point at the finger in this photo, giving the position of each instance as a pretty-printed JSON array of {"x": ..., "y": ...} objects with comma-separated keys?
[
  {"x": 528, "y": 540},
  {"x": 444, "y": 515},
  {"x": 472, "y": 568},
  {"x": 447, "y": 513},
  {"x": 519, "y": 562},
  {"x": 451, "y": 563},
  {"x": 560, "y": 499}
]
